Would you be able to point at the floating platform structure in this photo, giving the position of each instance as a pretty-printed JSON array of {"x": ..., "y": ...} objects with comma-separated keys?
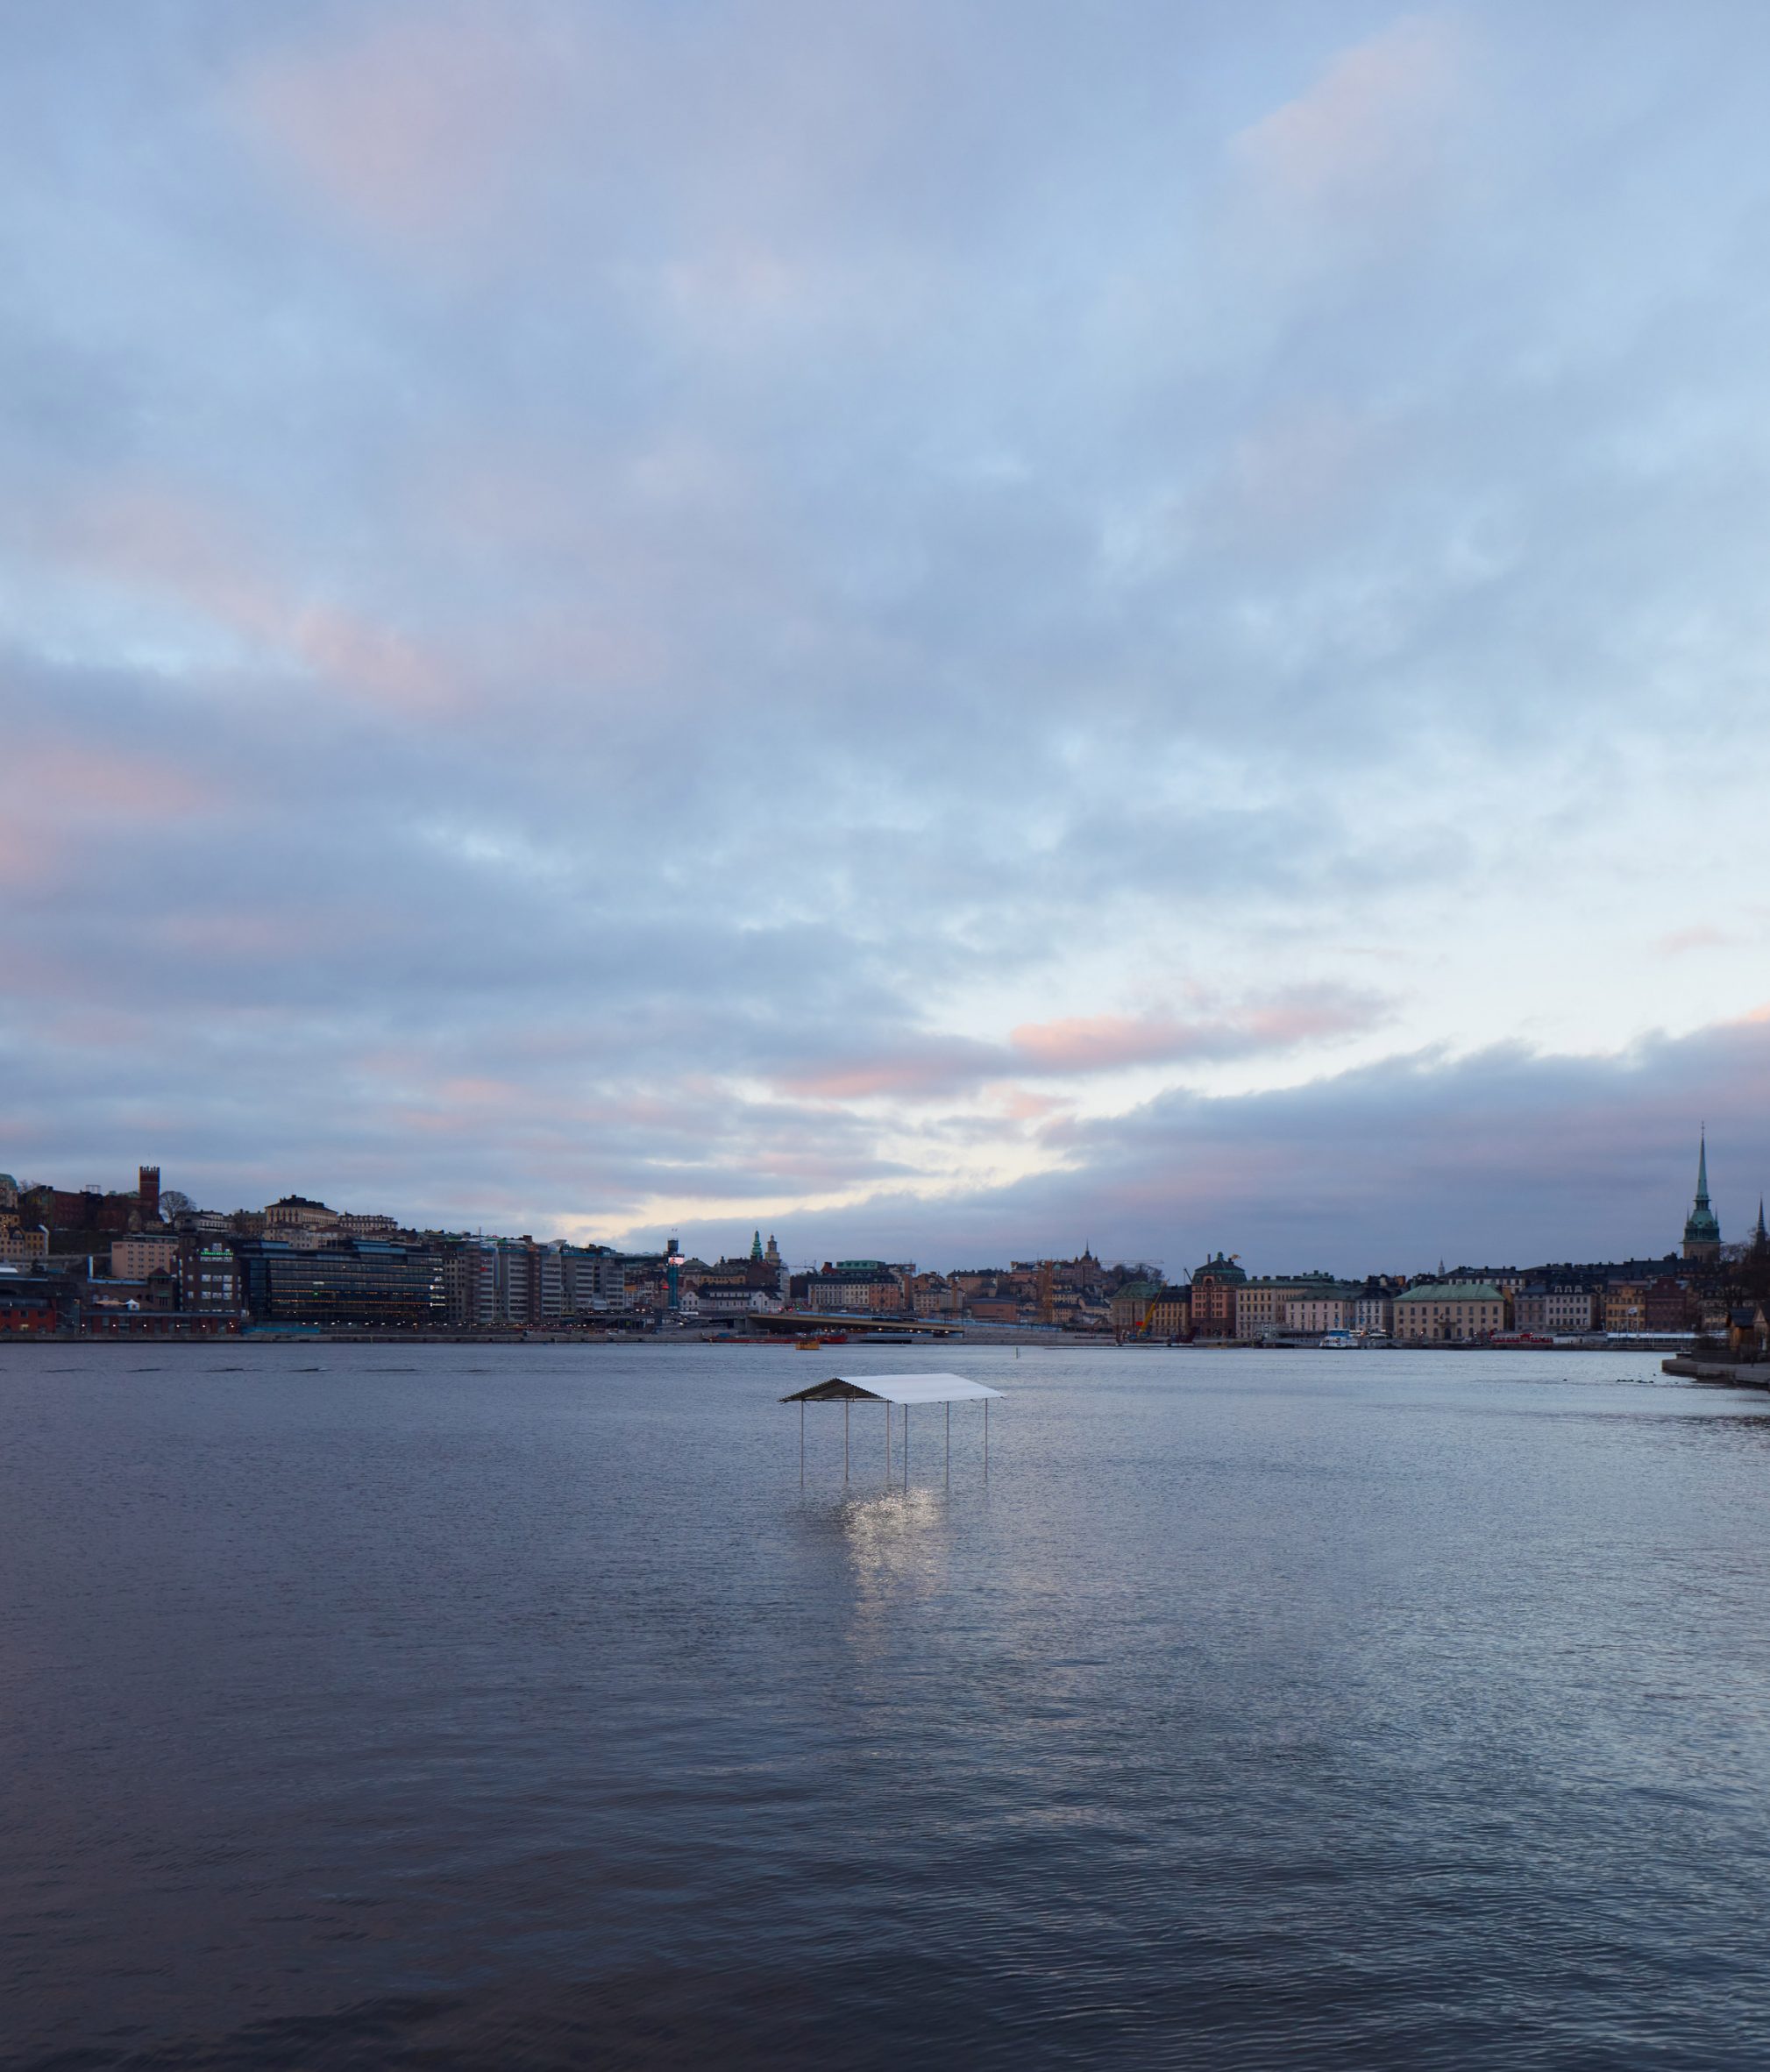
[{"x": 894, "y": 1390}]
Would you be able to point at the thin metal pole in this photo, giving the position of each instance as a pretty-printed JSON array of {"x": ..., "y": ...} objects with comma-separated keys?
[
  {"x": 844, "y": 1438},
  {"x": 950, "y": 1445},
  {"x": 907, "y": 1449},
  {"x": 888, "y": 1445},
  {"x": 986, "y": 1438},
  {"x": 801, "y": 1445}
]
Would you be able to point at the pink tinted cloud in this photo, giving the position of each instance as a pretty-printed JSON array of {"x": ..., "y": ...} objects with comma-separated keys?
[
  {"x": 1095, "y": 1043},
  {"x": 1019, "y": 1103},
  {"x": 1369, "y": 129},
  {"x": 153, "y": 537},
  {"x": 1108, "y": 1043},
  {"x": 930, "y": 1067},
  {"x": 277, "y": 933},
  {"x": 1681, "y": 941},
  {"x": 409, "y": 126},
  {"x": 480, "y": 1092},
  {"x": 22, "y": 861},
  {"x": 51, "y": 790},
  {"x": 98, "y": 784},
  {"x": 919, "y": 1069}
]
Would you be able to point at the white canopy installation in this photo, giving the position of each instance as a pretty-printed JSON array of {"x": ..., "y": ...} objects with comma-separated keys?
[{"x": 891, "y": 1389}]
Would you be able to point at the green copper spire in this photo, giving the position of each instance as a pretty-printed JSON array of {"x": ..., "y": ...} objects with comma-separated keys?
[{"x": 1702, "y": 1228}]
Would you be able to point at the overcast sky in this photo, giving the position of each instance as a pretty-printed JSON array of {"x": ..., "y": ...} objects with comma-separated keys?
[{"x": 950, "y": 629}]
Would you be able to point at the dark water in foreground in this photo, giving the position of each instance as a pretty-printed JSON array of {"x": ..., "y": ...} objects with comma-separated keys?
[{"x": 453, "y": 1708}]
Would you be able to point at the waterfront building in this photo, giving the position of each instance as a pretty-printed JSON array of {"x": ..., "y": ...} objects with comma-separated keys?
[
  {"x": 469, "y": 1277},
  {"x": 1215, "y": 1287},
  {"x": 354, "y": 1282},
  {"x": 546, "y": 1283},
  {"x": 1004, "y": 1309},
  {"x": 1443, "y": 1312},
  {"x": 1170, "y": 1314},
  {"x": 1556, "y": 1309},
  {"x": 28, "y": 1302},
  {"x": 1748, "y": 1329},
  {"x": 1131, "y": 1305},
  {"x": 1373, "y": 1314},
  {"x": 1262, "y": 1303},
  {"x": 867, "y": 1285},
  {"x": 515, "y": 1284},
  {"x": 1309, "y": 1315},
  {"x": 208, "y": 1279},
  {"x": 1372, "y": 1307},
  {"x": 1507, "y": 1279},
  {"x": 1625, "y": 1305},
  {"x": 594, "y": 1279},
  {"x": 1701, "y": 1226},
  {"x": 135, "y": 1257},
  {"x": 728, "y": 1302},
  {"x": 1668, "y": 1306}
]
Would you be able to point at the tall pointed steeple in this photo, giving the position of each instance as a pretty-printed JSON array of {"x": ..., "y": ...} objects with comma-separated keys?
[
  {"x": 1702, "y": 1228},
  {"x": 756, "y": 1246}
]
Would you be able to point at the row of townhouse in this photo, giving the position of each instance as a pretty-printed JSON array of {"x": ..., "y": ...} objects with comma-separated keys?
[{"x": 1636, "y": 1296}]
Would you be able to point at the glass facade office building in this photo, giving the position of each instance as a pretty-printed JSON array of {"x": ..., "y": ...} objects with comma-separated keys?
[{"x": 359, "y": 1282}]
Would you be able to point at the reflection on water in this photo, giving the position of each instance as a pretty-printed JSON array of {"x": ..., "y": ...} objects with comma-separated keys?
[
  {"x": 522, "y": 1710},
  {"x": 897, "y": 1542}
]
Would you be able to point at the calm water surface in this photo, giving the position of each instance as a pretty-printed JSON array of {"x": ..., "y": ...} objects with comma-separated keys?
[{"x": 455, "y": 1707}]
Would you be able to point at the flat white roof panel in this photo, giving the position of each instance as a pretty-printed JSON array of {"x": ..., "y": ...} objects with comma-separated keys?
[{"x": 895, "y": 1389}]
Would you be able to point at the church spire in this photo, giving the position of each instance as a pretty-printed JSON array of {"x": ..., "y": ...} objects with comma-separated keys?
[
  {"x": 756, "y": 1246},
  {"x": 1702, "y": 1228}
]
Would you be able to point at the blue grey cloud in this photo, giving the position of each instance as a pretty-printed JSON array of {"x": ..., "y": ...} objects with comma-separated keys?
[{"x": 598, "y": 604}]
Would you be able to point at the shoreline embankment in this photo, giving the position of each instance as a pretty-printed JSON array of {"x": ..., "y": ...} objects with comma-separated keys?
[
  {"x": 1683, "y": 1364},
  {"x": 1719, "y": 1373}
]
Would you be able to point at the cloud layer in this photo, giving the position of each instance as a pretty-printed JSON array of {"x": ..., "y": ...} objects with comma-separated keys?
[{"x": 938, "y": 622}]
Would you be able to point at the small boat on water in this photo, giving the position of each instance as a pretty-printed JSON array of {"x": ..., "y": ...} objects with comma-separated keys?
[
  {"x": 1340, "y": 1342},
  {"x": 807, "y": 1344}
]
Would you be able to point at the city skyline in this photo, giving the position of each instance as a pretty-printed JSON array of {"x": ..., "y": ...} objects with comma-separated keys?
[
  {"x": 148, "y": 1262},
  {"x": 626, "y": 618},
  {"x": 1703, "y": 1234}
]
